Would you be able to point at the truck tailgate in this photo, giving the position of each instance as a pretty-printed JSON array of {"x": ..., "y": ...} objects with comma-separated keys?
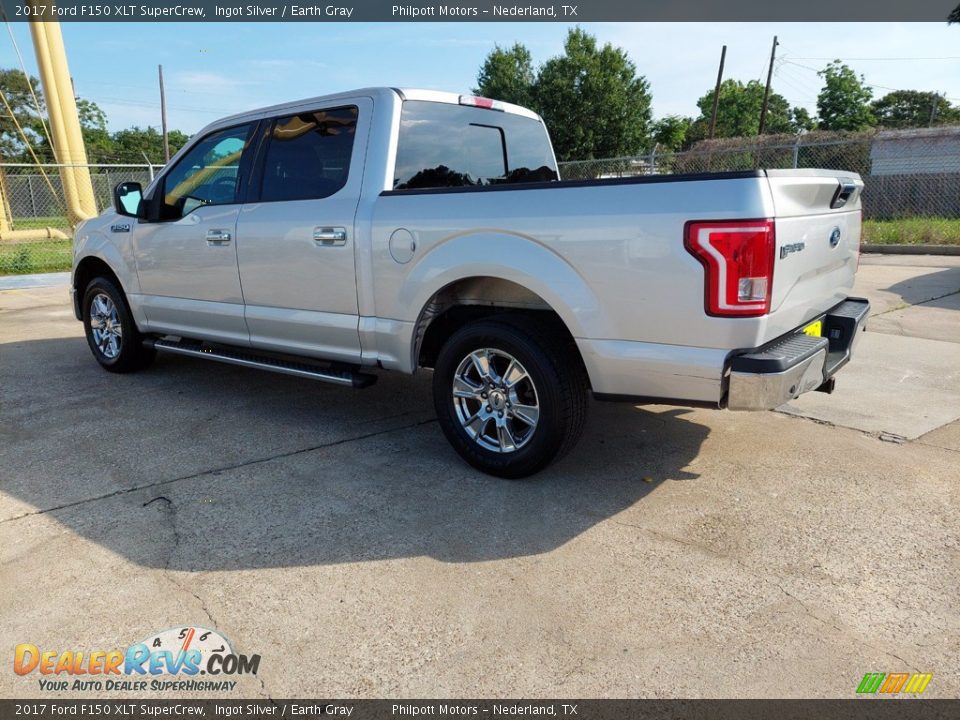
[{"x": 818, "y": 222}]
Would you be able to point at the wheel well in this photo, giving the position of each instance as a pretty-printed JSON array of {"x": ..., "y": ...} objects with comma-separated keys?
[
  {"x": 470, "y": 299},
  {"x": 90, "y": 268}
]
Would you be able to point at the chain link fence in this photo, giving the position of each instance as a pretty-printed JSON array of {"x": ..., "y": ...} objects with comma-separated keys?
[
  {"x": 912, "y": 190},
  {"x": 912, "y": 177},
  {"x": 35, "y": 230}
]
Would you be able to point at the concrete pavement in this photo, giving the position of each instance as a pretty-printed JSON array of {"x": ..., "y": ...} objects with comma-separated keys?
[
  {"x": 675, "y": 552},
  {"x": 905, "y": 381}
]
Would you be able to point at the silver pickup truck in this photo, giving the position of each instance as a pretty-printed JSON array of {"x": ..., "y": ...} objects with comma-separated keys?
[{"x": 401, "y": 229}]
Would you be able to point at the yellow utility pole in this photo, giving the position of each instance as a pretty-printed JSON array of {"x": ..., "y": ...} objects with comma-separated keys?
[{"x": 67, "y": 138}]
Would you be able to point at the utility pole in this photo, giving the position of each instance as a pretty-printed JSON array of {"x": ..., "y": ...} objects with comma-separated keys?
[
  {"x": 933, "y": 110},
  {"x": 766, "y": 92},
  {"x": 716, "y": 92},
  {"x": 163, "y": 118}
]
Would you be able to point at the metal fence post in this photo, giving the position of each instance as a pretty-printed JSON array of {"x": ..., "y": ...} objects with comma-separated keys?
[
  {"x": 33, "y": 199},
  {"x": 149, "y": 164}
]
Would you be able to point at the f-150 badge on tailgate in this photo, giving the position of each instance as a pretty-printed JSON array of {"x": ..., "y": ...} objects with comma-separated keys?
[{"x": 791, "y": 248}]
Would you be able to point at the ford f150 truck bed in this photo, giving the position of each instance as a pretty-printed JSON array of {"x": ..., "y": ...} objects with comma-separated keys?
[{"x": 403, "y": 229}]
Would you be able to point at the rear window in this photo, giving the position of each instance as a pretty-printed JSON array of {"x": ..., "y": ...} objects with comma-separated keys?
[{"x": 443, "y": 145}]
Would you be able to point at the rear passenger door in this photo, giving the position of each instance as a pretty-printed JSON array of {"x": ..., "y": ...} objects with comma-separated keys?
[{"x": 295, "y": 234}]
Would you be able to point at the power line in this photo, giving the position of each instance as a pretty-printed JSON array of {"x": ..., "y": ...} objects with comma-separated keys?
[
  {"x": 864, "y": 82},
  {"x": 798, "y": 81},
  {"x": 170, "y": 91},
  {"x": 155, "y": 105},
  {"x": 872, "y": 59},
  {"x": 26, "y": 77}
]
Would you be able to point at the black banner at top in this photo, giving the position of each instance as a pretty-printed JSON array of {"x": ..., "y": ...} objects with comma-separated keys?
[{"x": 479, "y": 11}]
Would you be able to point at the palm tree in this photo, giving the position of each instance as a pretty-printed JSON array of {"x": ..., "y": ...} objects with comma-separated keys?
[{"x": 954, "y": 16}]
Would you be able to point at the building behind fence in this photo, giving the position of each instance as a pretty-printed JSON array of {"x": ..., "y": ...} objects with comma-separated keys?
[{"x": 910, "y": 175}]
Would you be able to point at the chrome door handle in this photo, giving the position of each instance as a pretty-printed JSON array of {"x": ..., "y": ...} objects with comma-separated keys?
[
  {"x": 218, "y": 237},
  {"x": 330, "y": 236}
]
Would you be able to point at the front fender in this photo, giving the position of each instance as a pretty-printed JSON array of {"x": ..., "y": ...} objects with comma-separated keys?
[{"x": 96, "y": 238}]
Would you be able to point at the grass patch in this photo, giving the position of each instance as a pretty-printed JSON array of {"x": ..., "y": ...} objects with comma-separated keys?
[
  {"x": 912, "y": 231},
  {"x": 25, "y": 258},
  {"x": 37, "y": 256},
  {"x": 59, "y": 222}
]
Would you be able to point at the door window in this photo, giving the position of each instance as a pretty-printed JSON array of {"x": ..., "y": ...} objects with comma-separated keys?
[
  {"x": 308, "y": 155},
  {"x": 208, "y": 174}
]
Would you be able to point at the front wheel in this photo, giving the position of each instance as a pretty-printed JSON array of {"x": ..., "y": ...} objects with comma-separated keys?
[
  {"x": 510, "y": 394},
  {"x": 111, "y": 332}
]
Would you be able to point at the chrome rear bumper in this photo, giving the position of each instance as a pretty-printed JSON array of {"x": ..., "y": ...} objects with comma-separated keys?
[{"x": 769, "y": 376}]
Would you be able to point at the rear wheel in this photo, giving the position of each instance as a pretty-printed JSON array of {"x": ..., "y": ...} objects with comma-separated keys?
[
  {"x": 111, "y": 332},
  {"x": 510, "y": 394}
]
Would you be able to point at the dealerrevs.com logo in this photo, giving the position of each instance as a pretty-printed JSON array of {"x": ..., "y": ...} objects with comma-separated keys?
[{"x": 170, "y": 661}]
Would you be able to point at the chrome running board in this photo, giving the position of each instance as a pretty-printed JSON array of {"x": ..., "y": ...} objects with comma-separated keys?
[{"x": 338, "y": 376}]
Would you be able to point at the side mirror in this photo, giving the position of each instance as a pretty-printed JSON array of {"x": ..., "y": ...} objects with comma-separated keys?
[{"x": 127, "y": 198}]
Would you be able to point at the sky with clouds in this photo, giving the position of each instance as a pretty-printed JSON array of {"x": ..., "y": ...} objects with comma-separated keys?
[{"x": 213, "y": 70}]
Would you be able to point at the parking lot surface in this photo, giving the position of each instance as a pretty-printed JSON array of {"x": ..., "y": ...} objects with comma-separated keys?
[{"x": 675, "y": 552}]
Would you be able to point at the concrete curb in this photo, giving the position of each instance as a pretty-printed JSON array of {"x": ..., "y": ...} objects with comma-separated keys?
[
  {"x": 21, "y": 282},
  {"x": 911, "y": 249}
]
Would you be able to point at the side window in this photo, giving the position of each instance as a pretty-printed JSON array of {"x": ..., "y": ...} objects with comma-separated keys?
[
  {"x": 443, "y": 145},
  {"x": 308, "y": 155},
  {"x": 208, "y": 174}
]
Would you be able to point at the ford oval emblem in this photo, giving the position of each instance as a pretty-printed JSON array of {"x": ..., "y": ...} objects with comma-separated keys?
[{"x": 835, "y": 237}]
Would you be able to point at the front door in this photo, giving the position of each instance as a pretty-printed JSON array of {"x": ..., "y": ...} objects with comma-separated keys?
[
  {"x": 296, "y": 238},
  {"x": 187, "y": 258}
]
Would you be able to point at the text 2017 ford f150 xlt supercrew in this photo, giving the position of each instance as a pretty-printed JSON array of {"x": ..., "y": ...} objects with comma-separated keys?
[{"x": 404, "y": 228}]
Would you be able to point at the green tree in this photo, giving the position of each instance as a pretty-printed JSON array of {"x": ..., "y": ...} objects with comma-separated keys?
[
  {"x": 593, "y": 101},
  {"x": 508, "y": 75},
  {"x": 131, "y": 144},
  {"x": 801, "y": 120},
  {"x": 670, "y": 132},
  {"x": 912, "y": 109},
  {"x": 93, "y": 127},
  {"x": 739, "y": 108},
  {"x": 93, "y": 123},
  {"x": 17, "y": 93},
  {"x": 844, "y": 101}
]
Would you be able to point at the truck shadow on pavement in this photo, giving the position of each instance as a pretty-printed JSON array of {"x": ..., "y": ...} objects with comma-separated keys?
[
  {"x": 937, "y": 288},
  {"x": 196, "y": 466}
]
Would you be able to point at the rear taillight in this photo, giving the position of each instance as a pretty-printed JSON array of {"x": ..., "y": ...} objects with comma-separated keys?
[{"x": 737, "y": 256}]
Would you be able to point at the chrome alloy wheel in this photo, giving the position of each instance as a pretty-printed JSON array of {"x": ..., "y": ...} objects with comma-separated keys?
[
  {"x": 495, "y": 400},
  {"x": 105, "y": 326}
]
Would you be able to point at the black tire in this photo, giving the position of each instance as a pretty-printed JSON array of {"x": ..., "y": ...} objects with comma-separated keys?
[
  {"x": 130, "y": 355},
  {"x": 552, "y": 364}
]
